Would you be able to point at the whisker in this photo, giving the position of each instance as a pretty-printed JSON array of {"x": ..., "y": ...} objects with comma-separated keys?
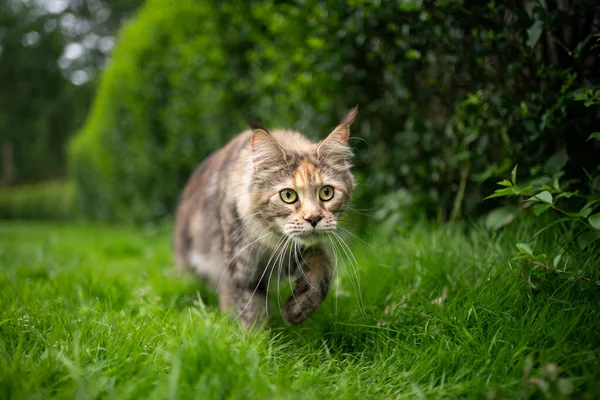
[
  {"x": 359, "y": 212},
  {"x": 356, "y": 237},
  {"x": 350, "y": 207},
  {"x": 349, "y": 252},
  {"x": 349, "y": 267},
  {"x": 258, "y": 284},
  {"x": 293, "y": 294},
  {"x": 279, "y": 269},
  {"x": 281, "y": 251},
  {"x": 335, "y": 266},
  {"x": 299, "y": 264},
  {"x": 239, "y": 230},
  {"x": 237, "y": 255},
  {"x": 355, "y": 266},
  {"x": 358, "y": 138}
]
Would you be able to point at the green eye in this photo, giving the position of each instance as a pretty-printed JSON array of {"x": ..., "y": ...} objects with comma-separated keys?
[
  {"x": 288, "y": 196},
  {"x": 326, "y": 193}
]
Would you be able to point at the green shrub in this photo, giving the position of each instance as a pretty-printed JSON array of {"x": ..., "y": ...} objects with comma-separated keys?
[
  {"x": 574, "y": 209},
  {"x": 452, "y": 94},
  {"x": 51, "y": 200},
  {"x": 159, "y": 110}
]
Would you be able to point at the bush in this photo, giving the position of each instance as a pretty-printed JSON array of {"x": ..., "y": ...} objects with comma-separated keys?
[
  {"x": 452, "y": 94},
  {"x": 51, "y": 200},
  {"x": 159, "y": 110}
]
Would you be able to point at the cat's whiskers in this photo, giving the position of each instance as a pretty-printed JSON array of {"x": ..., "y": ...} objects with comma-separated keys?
[
  {"x": 279, "y": 273},
  {"x": 335, "y": 259},
  {"x": 248, "y": 220},
  {"x": 349, "y": 251},
  {"x": 361, "y": 211},
  {"x": 259, "y": 281},
  {"x": 354, "y": 266},
  {"x": 353, "y": 262},
  {"x": 280, "y": 251},
  {"x": 338, "y": 249},
  {"x": 356, "y": 237},
  {"x": 237, "y": 255},
  {"x": 294, "y": 294},
  {"x": 299, "y": 264},
  {"x": 291, "y": 242},
  {"x": 279, "y": 256}
]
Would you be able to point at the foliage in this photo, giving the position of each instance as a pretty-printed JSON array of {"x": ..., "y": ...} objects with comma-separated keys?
[
  {"x": 576, "y": 217},
  {"x": 94, "y": 311},
  {"x": 451, "y": 94},
  {"x": 46, "y": 90},
  {"x": 162, "y": 106},
  {"x": 49, "y": 200}
]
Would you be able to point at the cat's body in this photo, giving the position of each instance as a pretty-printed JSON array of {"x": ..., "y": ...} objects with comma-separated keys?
[{"x": 260, "y": 208}]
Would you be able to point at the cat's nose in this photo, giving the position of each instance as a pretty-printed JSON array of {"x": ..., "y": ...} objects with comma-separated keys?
[{"x": 313, "y": 219}]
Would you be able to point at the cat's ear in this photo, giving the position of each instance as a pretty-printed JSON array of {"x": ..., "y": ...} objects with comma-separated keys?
[
  {"x": 265, "y": 148},
  {"x": 335, "y": 146}
]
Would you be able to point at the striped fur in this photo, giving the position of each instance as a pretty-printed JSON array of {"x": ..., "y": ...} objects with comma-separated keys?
[{"x": 234, "y": 230}]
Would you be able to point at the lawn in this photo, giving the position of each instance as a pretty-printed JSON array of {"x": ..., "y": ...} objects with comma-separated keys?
[{"x": 92, "y": 311}]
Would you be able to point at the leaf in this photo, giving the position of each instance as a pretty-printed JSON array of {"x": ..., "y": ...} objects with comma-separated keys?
[
  {"x": 556, "y": 162},
  {"x": 595, "y": 135},
  {"x": 564, "y": 386},
  {"x": 556, "y": 260},
  {"x": 594, "y": 221},
  {"x": 534, "y": 33},
  {"x": 513, "y": 175},
  {"x": 587, "y": 209},
  {"x": 587, "y": 238},
  {"x": 524, "y": 248},
  {"x": 581, "y": 45},
  {"x": 529, "y": 125},
  {"x": 505, "y": 182},
  {"x": 499, "y": 217},
  {"x": 544, "y": 196},
  {"x": 539, "y": 209},
  {"x": 413, "y": 54},
  {"x": 502, "y": 192}
]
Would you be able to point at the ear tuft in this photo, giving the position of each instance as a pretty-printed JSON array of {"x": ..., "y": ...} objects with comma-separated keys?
[
  {"x": 350, "y": 116},
  {"x": 253, "y": 123}
]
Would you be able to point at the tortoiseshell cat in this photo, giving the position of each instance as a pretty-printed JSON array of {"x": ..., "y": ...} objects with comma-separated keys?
[{"x": 264, "y": 204}]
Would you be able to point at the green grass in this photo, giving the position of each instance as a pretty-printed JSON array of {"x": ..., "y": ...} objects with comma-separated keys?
[{"x": 92, "y": 311}]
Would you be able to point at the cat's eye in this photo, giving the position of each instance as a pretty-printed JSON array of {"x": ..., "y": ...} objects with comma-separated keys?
[
  {"x": 326, "y": 193},
  {"x": 288, "y": 196}
]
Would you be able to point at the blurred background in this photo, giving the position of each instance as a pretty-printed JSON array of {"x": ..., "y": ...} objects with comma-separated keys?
[{"x": 107, "y": 106}]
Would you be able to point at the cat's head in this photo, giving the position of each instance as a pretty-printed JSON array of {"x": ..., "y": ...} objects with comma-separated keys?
[{"x": 300, "y": 189}]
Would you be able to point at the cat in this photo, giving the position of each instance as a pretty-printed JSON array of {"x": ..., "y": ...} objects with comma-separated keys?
[{"x": 264, "y": 204}]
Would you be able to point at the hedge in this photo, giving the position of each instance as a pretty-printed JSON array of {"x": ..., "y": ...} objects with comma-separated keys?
[
  {"x": 452, "y": 95},
  {"x": 51, "y": 200}
]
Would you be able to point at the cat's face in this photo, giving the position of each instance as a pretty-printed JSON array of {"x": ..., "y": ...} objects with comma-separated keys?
[
  {"x": 306, "y": 201},
  {"x": 301, "y": 193}
]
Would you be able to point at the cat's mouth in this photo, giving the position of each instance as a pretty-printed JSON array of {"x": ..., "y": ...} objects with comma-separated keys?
[{"x": 310, "y": 237}]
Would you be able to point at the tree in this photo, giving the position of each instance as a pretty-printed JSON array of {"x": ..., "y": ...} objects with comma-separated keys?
[{"x": 50, "y": 56}]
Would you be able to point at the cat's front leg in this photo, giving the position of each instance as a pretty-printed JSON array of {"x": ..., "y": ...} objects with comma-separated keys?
[
  {"x": 311, "y": 288},
  {"x": 244, "y": 301}
]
